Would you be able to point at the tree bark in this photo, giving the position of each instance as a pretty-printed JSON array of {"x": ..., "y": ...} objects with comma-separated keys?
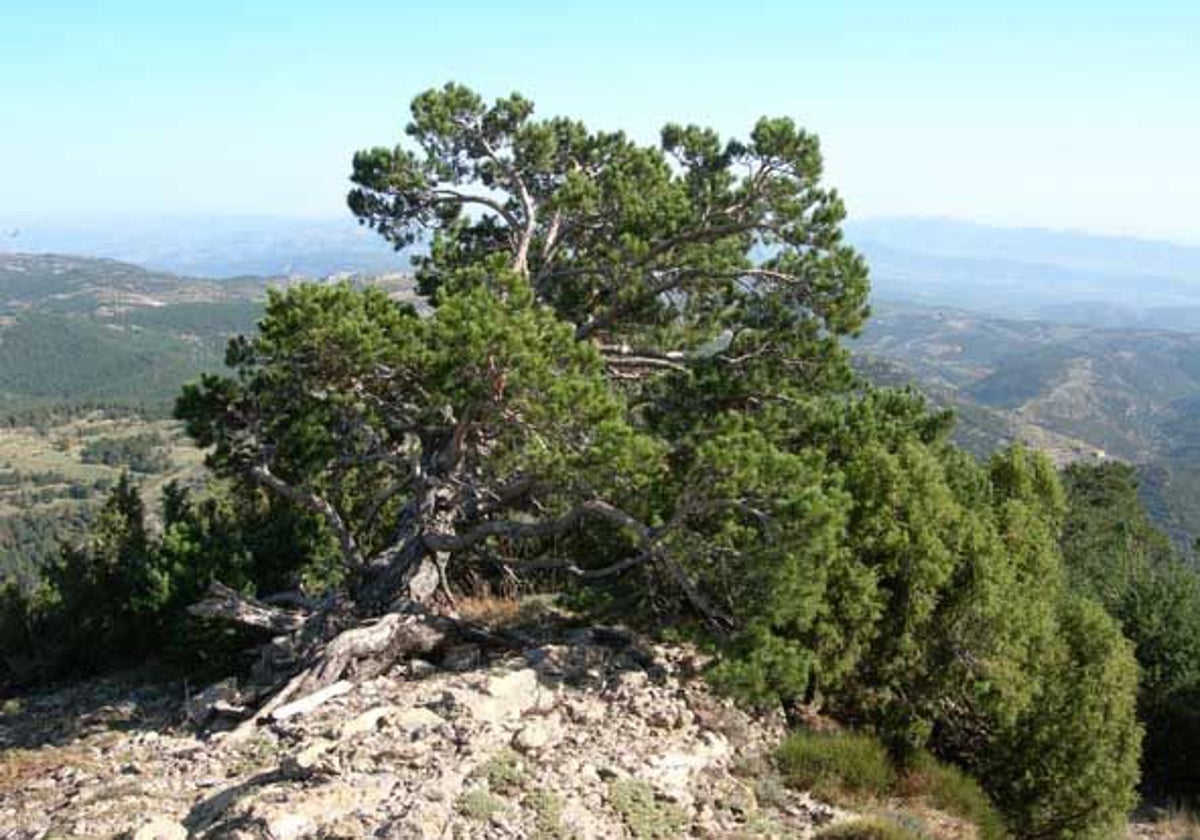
[{"x": 227, "y": 604}]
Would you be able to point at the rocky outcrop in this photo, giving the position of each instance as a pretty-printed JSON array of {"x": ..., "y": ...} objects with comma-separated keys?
[{"x": 589, "y": 736}]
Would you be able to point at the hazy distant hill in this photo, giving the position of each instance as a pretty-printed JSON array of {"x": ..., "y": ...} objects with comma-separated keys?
[
  {"x": 1120, "y": 255},
  {"x": 214, "y": 246},
  {"x": 1049, "y": 275},
  {"x": 87, "y": 285},
  {"x": 76, "y": 330}
]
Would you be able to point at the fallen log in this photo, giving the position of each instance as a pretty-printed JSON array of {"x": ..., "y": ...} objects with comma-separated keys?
[
  {"x": 311, "y": 701},
  {"x": 363, "y": 651},
  {"x": 227, "y": 604}
]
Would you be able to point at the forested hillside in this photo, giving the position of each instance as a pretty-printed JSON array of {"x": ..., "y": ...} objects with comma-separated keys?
[
  {"x": 1073, "y": 391},
  {"x": 77, "y": 330},
  {"x": 92, "y": 355}
]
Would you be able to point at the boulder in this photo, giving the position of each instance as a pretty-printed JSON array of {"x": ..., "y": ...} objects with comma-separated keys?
[{"x": 159, "y": 828}]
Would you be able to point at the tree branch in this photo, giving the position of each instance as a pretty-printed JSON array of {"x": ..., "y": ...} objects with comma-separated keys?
[
  {"x": 262, "y": 474},
  {"x": 555, "y": 564},
  {"x": 226, "y": 604},
  {"x": 536, "y": 530},
  {"x": 521, "y": 258},
  {"x": 469, "y": 198}
]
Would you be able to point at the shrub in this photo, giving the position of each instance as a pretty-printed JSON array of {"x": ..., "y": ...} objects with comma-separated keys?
[
  {"x": 547, "y": 807},
  {"x": 479, "y": 805},
  {"x": 504, "y": 771},
  {"x": 1067, "y": 766},
  {"x": 645, "y": 816},
  {"x": 866, "y": 829},
  {"x": 837, "y": 765},
  {"x": 949, "y": 789},
  {"x": 850, "y": 766}
]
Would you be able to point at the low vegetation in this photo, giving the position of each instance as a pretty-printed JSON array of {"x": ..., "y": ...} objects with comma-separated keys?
[
  {"x": 950, "y": 790},
  {"x": 480, "y": 805},
  {"x": 57, "y": 467},
  {"x": 548, "y": 808},
  {"x": 840, "y": 767},
  {"x": 143, "y": 453},
  {"x": 875, "y": 828},
  {"x": 646, "y": 816},
  {"x": 854, "y": 769}
]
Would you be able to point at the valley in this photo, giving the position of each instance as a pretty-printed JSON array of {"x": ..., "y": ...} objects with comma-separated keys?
[
  {"x": 1075, "y": 392},
  {"x": 95, "y": 348},
  {"x": 92, "y": 355}
]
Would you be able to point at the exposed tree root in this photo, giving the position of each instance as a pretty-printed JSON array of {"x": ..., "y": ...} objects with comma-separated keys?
[{"x": 299, "y": 670}]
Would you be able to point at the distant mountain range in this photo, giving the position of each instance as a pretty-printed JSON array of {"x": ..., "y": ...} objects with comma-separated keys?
[
  {"x": 1059, "y": 276},
  {"x": 1056, "y": 276},
  {"x": 1075, "y": 343},
  {"x": 214, "y": 246},
  {"x": 1086, "y": 252}
]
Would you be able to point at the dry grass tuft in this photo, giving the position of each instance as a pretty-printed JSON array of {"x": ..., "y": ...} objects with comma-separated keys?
[
  {"x": 18, "y": 767},
  {"x": 505, "y": 611},
  {"x": 1174, "y": 823},
  {"x": 492, "y": 610}
]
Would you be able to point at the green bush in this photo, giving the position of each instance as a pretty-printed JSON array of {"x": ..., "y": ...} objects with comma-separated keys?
[
  {"x": 644, "y": 815},
  {"x": 837, "y": 765},
  {"x": 852, "y": 767},
  {"x": 949, "y": 789},
  {"x": 118, "y": 598},
  {"x": 1067, "y": 766},
  {"x": 143, "y": 453},
  {"x": 479, "y": 805},
  {"x": 1115, "y": 555},
  {"x": 866, "y": 829}
]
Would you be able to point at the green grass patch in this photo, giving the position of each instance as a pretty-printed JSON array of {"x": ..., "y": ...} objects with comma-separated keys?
[
  {"x": 949, "y": 789},
  {"x": 479, "y": 805},
  {"x": 871, "y": 828},
  {"x": 842, "y": 766},
  {"x": 505, "y": 771},
  {"x": 646, "y": 817},
  {"x": 547, "y": 807},
  {"x": 853, "y": 769}
]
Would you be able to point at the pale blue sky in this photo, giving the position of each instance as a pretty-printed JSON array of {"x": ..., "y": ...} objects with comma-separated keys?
[{"x": 1063, "y": 114}]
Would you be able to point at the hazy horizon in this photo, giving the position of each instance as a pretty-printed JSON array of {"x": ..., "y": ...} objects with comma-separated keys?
[
  {"x": 15, "y": 225},
  {"x": 1020, "y": 116}
]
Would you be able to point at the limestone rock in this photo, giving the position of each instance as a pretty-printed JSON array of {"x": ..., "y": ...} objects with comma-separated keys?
[
  {"x": 547, "y": 732},
  {"x": 219, "y": 698},
  {"x": 502, "y": 697},
  {"x": 160, "y": 828},
  {"x": 368, "y": 721},
  {"x": 536, "y": 736}
]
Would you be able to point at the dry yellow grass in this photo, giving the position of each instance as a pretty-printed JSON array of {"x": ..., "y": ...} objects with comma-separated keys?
[
  {"x": 18, "y": 767},
  {"x": 492, "y": 610},
  {"x": 1169, "y": 824},
  {"x": 505, "y": 611}
]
